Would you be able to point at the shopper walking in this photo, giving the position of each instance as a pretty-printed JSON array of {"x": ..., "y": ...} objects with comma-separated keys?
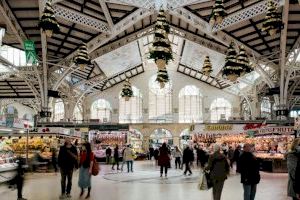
[
  {"x": 151, "y": 153},
  {"x": 201, "y": 157},
  {"x": 54, "y": 158},
  {"x": 156, "y": 154},
  {"x": 19, "y": 178},
  {"x": 85, "y": 171},
  {"x": 108, "y": 154},
  {"x": 67, "y": 160},
  {"x": 129, "y": 157},
  {"x": 231, "y": 156},
  {"x": 236, "y": 157},
  {"x": 297, "y": 176},
  {"x": 164, "y": 159},
  {"x": 219, "y": 169},
  {"x": 116, "y": 158},
  {"x": 188, "y": 158},
  {"x": 292, "y": 162},
  {"x": 177, "y": 156},
  {"x": 249, "y": 169}
]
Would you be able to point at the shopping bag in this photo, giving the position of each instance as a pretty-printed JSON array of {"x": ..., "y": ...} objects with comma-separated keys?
[
  {"x": 95, "y": 168},
  {"x": 204, "y": 181},
  {"x": 208, "y": 180}
]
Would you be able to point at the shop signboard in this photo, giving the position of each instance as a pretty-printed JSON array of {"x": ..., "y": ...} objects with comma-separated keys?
[
  {"x": 218, "y": 127},
  {"x": 281, "y": 130},
  {"x": 30, "y": 52}
]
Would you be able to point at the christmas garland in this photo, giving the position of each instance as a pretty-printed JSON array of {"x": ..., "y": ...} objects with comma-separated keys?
[
  {"x": 82, "y": 57},
  {"x": 161, "y": 45},
  {"x": 162, "y": 76},
  {"x": 231, "y": 67},
  {"x": 207, "y": 67},
  {"x": 218, "y": 12},
  {"x": 243, "y": 61},
  {"x": 48, "y": 20},
  {"x": 272, "y": 22},
  {"x": 127, "y": 89}
]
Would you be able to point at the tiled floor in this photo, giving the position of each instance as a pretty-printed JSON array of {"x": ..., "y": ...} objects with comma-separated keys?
[{"x": 145, "y": 184}]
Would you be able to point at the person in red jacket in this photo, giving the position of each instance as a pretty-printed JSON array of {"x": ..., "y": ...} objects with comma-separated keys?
[{"x": 164, "y": 159}]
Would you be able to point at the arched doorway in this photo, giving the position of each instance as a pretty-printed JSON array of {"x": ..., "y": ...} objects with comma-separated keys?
[
  {"x": 159, "y": 136},
  {"x": 185, "y": 138}
]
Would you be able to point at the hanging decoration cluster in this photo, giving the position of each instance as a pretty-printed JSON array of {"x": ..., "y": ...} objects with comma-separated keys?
[
  {"x": 218, "y": 13},
  {"x": 236, "y": 65},
  {"x": 162, "y": 77},
  {"x": 48, "y": 22},
  {"x": 272, "y": 22},
  {"x": 82, "y": 58},
  {"x": 127, "y": 91},
  {"x": 207, "y": 67},
  {"x": 161, "y": 51}
]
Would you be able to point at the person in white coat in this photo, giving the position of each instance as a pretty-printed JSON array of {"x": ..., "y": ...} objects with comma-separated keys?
[{"x": 129, "y": 157}]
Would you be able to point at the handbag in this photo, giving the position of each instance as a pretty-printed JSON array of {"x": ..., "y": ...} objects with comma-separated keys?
[
  {"x": 204, "y": 181},
  {"x": 95, "y": 168}
]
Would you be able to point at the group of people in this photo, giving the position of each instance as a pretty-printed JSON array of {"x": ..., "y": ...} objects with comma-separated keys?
[
  {"x": 293, "y": 165},
  {"x": 127, "y": 155}
]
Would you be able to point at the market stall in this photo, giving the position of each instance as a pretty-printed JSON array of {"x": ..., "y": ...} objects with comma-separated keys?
[{"x": 160, "y": 136}]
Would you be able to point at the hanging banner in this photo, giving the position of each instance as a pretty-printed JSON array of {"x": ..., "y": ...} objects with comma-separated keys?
[
  {"x": 31, "y": 57},
  {"x": 218, "y": 127}
]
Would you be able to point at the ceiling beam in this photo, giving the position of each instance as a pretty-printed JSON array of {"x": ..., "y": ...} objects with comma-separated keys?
[
  {"x": 80, "y": 18},
  {"x": 12, "y": 22},
  {"x": 106, "y": 14},
  {"x": 102, "y": 39},
  {"x": 247, "y": 13}
]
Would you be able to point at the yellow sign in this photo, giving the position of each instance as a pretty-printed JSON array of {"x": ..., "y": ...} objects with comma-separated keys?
[
  {"x": 218, "y": 127},
  {"x": 84, "y": 130}
]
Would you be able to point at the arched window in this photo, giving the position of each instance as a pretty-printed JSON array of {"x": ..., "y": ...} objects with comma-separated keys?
[
  {"x": 101, "y": 109},
  {"x": 131, "y": 111},
  {"x": 190, "y": 104},
  {"x": 265, "y": 108},
  {"x": 220, "y": 109},
  {"x": 11, "y": 110},
  {"x": 294, "y": 113},
  {"x": 77, "y": 115},
  {"x": 246, "y": 112},
  {"x": 59, "y": 110},
  {"x": 160, "y": 102}
]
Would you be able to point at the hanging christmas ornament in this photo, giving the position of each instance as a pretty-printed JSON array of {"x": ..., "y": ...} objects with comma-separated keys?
[
  {"x": 231, "y": 70},
  {"x": 48, "y": 22},
  {"x": 207, "y": 68},
  {"x": 218, "y": 13},
  {"x": 272, "y": 22},
  {"x": 243, "y": 61},
  {"x": 161, "y": 51},
  {"x": 127, "y": 91},
  {"x": 82, "y": 58},
  {"x": 162, "y": 77}
]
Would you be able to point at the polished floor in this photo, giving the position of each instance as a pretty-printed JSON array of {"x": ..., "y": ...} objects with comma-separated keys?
[{"x": 145, "y": 184}]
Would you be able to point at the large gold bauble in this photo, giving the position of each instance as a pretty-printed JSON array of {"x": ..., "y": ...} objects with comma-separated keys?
[
  {"x": 162, "y": 85},
  {"x": 49, "y": 33},
  {"x": 161, "y": 63},
  {"x": 82, "y": 66},
  {"x": 219, "y": 19},
  {"x": 272, "y": 32},
  {"x": 232, "y": 77},
  {"x": 127, "y": 98}
]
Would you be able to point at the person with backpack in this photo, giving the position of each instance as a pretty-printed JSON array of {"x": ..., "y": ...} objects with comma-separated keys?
[
  {"x": 164, "y": 159},
  {"x": 86, "y": 167},
  {"x": 218, "y": 168},
  {"x": 129, "y": 157},
  {"x": 67, "y": 161},
  {"x": 249, "y": 169},
  {"x": 116, "y": 158}
]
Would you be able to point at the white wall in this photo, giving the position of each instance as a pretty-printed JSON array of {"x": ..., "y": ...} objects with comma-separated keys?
[{"x": 178, "y": 81}]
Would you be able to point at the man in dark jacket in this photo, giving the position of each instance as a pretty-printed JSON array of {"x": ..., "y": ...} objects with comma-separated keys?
[
  {"x": 297, "y": 178},
  {"x": 108, "y": 155},
  {"x": 67, "y": 161},
  {"x": 236, "y": 158},
  {"x": 249, "y": 169},
  {"x": 188, "y": 157},
  {"x": 201, "y": 157}
]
